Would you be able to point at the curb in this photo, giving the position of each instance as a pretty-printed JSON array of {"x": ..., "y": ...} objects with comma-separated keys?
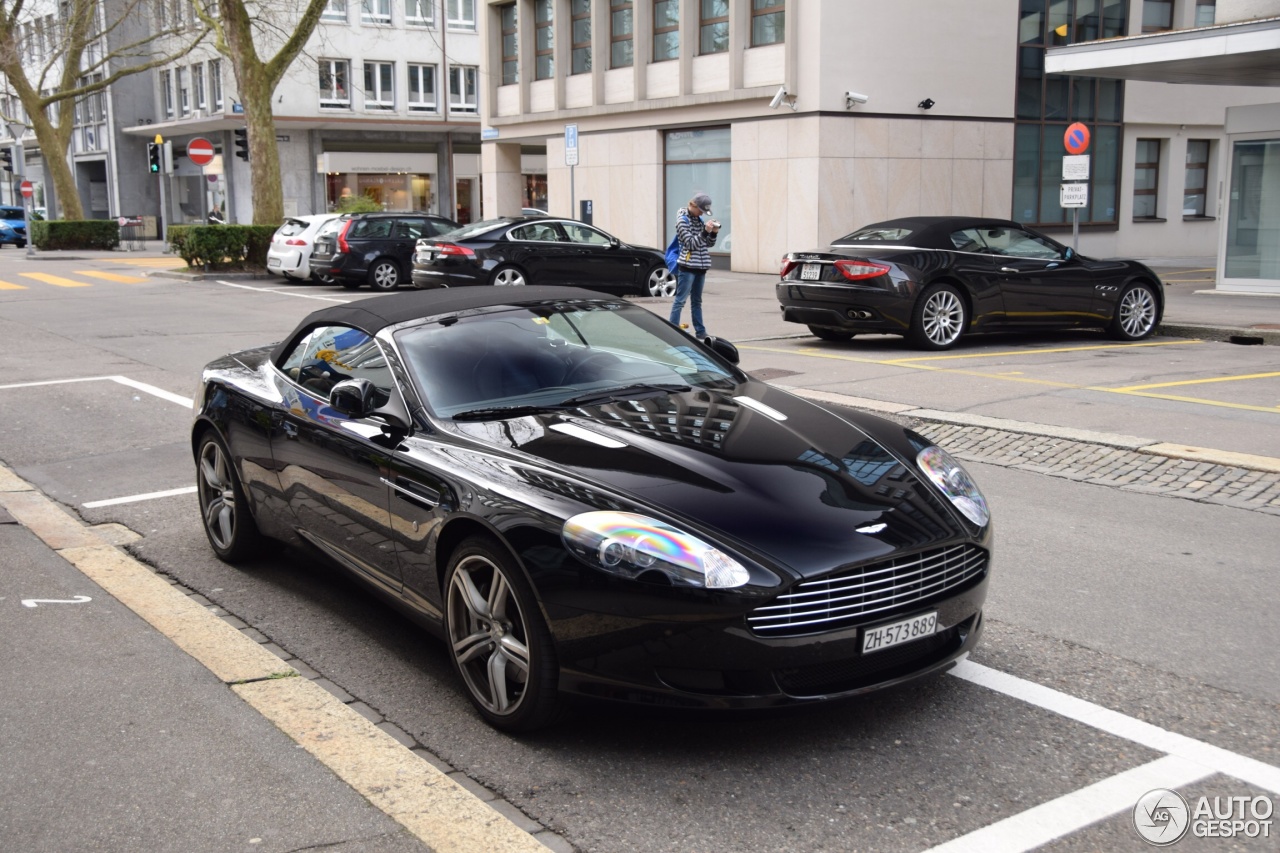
[{"x": 1226, "y": 334}]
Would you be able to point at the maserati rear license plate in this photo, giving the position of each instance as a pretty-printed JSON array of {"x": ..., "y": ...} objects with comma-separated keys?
[
  {"x": 875, "y": 639},
  {"x": 811, "y": 272}
]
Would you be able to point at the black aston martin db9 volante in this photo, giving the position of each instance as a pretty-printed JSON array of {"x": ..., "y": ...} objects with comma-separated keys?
[
  {"x": 937, "y": 278},
  {"x": 582, "y": 499}
]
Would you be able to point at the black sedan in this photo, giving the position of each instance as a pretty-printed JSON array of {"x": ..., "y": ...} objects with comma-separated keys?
[
  {"x": 540, "y": 250},
  {"x": 937, "y": 278},
  {"x": 582, "y": 499}
]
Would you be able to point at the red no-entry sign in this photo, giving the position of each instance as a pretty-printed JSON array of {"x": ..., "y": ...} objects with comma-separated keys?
[
  {"x": 27, "y": 189},
  {"x": 200, "y": 151}
]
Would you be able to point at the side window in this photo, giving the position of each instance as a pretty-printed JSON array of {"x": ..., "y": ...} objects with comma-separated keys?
[
  {"x": 541, "y": 232},
  {"x": 583, "y": 234},
  {"x": 412, "y": 228},
  {"x": 329, "y": 354},
  {"x": 1022, "y": 244},
  {"x": 372, "y": 229},
  {"x": 968, "y": 240}
]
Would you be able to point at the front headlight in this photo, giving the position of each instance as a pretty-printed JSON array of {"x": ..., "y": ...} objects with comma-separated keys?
[
  {"x": 630, "y": 544},
  {"x": 955, "y": 483}
]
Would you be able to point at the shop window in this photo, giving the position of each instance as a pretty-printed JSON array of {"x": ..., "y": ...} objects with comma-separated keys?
[
  {"x": 621, "y": 33},
  {"x": 1146, "y": 179},
  {"x": 1195, "y": 187},
  {"x": 422, "y": 88},
  {"x": 463, "y": 94},
  {"x": 666, "y": 30},
  {"x": 510, "y": 45},
  {"x": 335, "y": 11},
  {"x": 375, "y": 11},
  {"x": 1251, "y": 251},
  {"x": 419, "y": 13},
  {"x": 544, "y": 40},
  {"x": 379, "y": 89},
  {"x": 333, "y": 83},
  {"x": 580, "y": 13},
  {"x": 714, "y": 27},
  {"x": 699, "y": 160},
  {"x": 767, "y": 22},
  {"x": 461, "y": 14}
]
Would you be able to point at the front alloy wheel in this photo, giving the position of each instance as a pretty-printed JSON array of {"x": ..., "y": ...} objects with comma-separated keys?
[
  {"x": 499, "y": 643},
  {"x": 939, "y": 318},
  {"x": 661, "y": 283},
  {"x": 231, "y": 529},
  {"x": 1135, "y": 314}
]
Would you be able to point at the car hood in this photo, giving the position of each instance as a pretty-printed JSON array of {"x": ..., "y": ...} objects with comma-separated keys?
[{"x": 786, "y": 481}]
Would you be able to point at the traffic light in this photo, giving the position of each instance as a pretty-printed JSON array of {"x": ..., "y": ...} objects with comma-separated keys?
[
  {"x": 155, "y": 157},
  {"x": 6, "y": 157},
  {"x": 242, "y": 143}
]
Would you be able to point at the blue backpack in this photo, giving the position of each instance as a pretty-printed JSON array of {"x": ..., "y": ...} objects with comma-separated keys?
[{"x": 673, "y": 254}]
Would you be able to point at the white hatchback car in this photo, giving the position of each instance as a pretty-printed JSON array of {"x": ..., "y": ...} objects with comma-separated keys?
[{"x": 289, "y": 254}]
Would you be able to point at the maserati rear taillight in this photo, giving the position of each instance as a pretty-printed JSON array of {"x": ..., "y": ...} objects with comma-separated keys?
[{"x": 859, "y": 270}]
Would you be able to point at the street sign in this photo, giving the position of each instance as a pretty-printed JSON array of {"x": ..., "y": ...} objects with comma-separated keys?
[
  {"x": 571, "y": 145},
  {"x": 200, "y": 151},
  {"x": 1074, "y": 195},
  {"x": 1075, "y": 167},
  {"x": 1076, "y": 139},
  {"x": 27, "y": 189}
]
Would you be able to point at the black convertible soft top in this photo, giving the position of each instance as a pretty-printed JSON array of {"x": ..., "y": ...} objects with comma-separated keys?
[
  {"x": 376, "y": 313},
  {"x": 929, "y": 232}
]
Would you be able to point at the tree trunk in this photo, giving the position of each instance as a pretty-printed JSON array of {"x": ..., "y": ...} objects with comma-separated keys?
[
  {"x": 54, "y": 142},
  {"x": 264, "y": 154}
]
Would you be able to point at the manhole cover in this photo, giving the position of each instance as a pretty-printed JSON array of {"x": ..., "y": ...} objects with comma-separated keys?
[{"x": 767, "y": 373}]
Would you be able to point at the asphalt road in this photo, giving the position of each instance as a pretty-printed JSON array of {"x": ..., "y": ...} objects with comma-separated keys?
[{"x": 1156, "y": 607}]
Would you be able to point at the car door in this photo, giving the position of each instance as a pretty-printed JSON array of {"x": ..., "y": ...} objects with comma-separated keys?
[
  {"x": 1040, "y": 285},
  {"x": 332, "y": 468},
  {"x": 404, "y": 238},
  {"x": 542, "y": 250},
  {"x": 600, "y": 262}
]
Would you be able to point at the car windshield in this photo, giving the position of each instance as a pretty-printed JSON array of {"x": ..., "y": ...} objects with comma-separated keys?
[
  {"x": 877, "y": 234},
  {"x": 10, "y": 213},
  {"x": 552, "y": 356}
]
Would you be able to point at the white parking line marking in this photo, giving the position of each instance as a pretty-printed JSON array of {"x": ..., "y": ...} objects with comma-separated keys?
[
  {"x": 185, "y": 490},
  {"x": 1071, "y": 812},
  {"x": 123, "y": 380},
  {"x": 284, "y": 292},
  {"x": 1221, "y": 760}
]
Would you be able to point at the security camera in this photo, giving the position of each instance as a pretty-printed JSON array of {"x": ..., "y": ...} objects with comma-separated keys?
[
  {"x": 778, "y": 98},
  {"x": 851, "y": 98}
]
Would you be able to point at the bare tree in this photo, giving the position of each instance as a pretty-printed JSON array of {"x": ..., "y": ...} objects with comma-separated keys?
[
  {"x": 53, "y": 54},
  {"x": 238, "y": 27}
]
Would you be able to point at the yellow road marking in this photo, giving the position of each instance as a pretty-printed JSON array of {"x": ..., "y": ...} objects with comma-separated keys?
[
  {"x": 56, "y": 280},
  {"x": 1218, "y": 403},
  {"x": 1198, "y": 381},
  {"x": 165, "y": 263},
  {"x": 1041, "y": 351},
  {"x": 112, "y": 276},
  {"x": 8, "y": 285}
]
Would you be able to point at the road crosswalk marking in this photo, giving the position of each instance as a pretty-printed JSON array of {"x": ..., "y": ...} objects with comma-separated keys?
[
  {"x": 55, "y": 280},
  {"x": 8, "y": 285},
  {"x": 173, "y": 263},
  {"x": 112, "y": 276}
]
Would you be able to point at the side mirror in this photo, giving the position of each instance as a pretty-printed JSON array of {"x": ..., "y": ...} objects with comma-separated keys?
[
  {"x": 614, "y": 242},
  {"x": 1068, "y": 254},
  {"x": 354, "y": 398},
  {"x": 722, "y": 348}
]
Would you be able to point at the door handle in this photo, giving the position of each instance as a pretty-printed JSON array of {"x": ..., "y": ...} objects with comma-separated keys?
[{"x": 1008, "y": 269}]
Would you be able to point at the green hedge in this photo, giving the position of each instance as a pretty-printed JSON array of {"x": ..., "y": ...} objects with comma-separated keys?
[
  {"x": 75, "y": 234},
  {"x": 221, "y": 246}
]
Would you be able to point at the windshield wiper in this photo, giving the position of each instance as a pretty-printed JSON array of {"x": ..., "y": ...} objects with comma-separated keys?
[
  {"x": 497, "y": 413},
  {"x": 626, "y": 392}
]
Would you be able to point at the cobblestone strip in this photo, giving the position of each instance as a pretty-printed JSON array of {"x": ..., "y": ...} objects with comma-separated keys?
[{"x": 1131, "y": 470}]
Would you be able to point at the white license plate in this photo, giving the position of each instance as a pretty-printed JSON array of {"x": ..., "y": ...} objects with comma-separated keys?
[
  {"x": 811, "y": 272},
  {"x": 915, "y": 628},
  {"x": 274, "y": 263}
]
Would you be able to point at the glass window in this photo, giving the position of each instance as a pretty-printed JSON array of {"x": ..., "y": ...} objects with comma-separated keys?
[
  {"x": 422, "y": 88},
  {"x": 544, "y": 41},
  {"x": 379, "y": 90},
  {"x": 462, "y": 14},
  {"x": 1146, "y": 179},
  {"x": 1195, "y": 186},
  {"x": 1016, "y": 243},
  {"x": 585, "y": 234},
  {"x": 535, "y": 232},
  {"x": 580, "y": 12},
  {"x": 329, "y": 354},
  {"x": 699, "y": 160},
  {"x": 1206, "y": 12},
  {"x": 510, "y": 56},
  {"x": 197, "y": 85},
  {"x": 621, "y": 29},
  {"x": 184, "y": 90},
  {"x": 767, "y": 22},
  {"x": 336, "y": 11},
  {"x": 714, "y": 27},
  {"x": 1157, "y": 15},
  {"x": 666, "y": 30},
  {"x": 463, "y": 95},
  {"x": 166, "y": 92},
  {"x": 419, "y": 13},
  {"x": 1255, "y": 186},
  {"x": 333, "y": 83},
  {"x": 215, "y": 84},
  {"x": 375, "y": 11}
]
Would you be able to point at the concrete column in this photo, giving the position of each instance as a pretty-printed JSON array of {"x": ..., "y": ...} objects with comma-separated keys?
[{"x": 503, "y": 184}]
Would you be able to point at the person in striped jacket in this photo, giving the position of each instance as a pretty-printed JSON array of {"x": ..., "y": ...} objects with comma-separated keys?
[{"x": 696, "y": 237}]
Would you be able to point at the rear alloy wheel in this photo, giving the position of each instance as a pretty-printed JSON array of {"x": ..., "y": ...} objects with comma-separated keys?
[
  {"x": 939, "y": 318},
  {"x": 227, "y": 522},
  {"x": 826, "y": 334},
  {"x": 509, "y": 277},
  {"x": 1135, "y": 313},
  {"x": 661, "y": 282},
  {"x": 498, "y": 641},
  {"x": 384, "y": 274}
]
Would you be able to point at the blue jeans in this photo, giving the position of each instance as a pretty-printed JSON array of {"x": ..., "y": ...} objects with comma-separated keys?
[{"x": 689, "y": 287}]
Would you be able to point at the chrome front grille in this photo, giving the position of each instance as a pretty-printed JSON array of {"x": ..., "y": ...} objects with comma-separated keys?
[{"x": 848, "y": 597}]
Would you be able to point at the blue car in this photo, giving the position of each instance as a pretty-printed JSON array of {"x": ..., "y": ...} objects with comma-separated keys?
[{"x": 13, "y": 228}]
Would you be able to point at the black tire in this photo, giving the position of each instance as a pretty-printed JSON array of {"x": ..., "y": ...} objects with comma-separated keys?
[
  {"x": 939, "y": 318},
  {"x": 490, "y": 611},
  {"x": 224, "y": 511},
  {"x": 348, "y": 284},
  {"x": 322, "y": 278},
  {"x": 508, "y": 276},
  {"x": 384, "y": 274},
  {"x": 830, "y": 334},
  {"x": 1136, "y": 313}
]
